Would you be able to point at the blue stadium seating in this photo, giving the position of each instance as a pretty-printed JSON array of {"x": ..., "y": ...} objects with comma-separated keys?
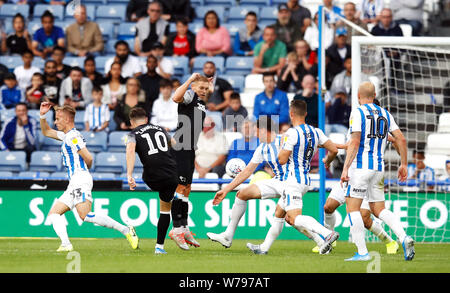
[
  {"x": 33, "y": 174},
  {"x": 56, "y": 10},
  {"x": 79, "y": 120},
  {"x": 109, "y": 47},
  {"x": 218, "y": 61},
  {"x": 8, "y": 27},
  {"x": 118, "y": 1},
  {"x": 116, "y": 141},
  {"x": 172, "y": 27},
  {"x": 238, "y": 13},
  {"x": 50, "y": 144},
  {"x": 127, "y": 30},
  {"x": 11, "y": 61},
  {"x": 180, "y": 64},
  {"x": 90, "y": 12},
  {"x": 59, "y": 175},
  {"x": 195, "y": 26},
  {"x": 201, "y": 11},
  {"x": 95, "y": 141},
  {"x": 255, "y": 2},
  {"x": 236, "y": 81},
  {"x": 104, "y": 176},
  {"x": 138, "y": 177},
  {"x": 111, "y": 12},
  {"x": 9, "y": 10},
  {"x": 6, "y": 114},
  {"x": 35, "y": 114},
  {"x": 107, "y": 29},
  {"x": 112, "y": 124},
  {"x": 234, "y": 27},
  {"x": 6, "y": 174},
  {"x": 13, "y": 161},
  {"x": 138, "y": 167},
  {"x": 196, "y": 3},
  {"x": 100, "y": 63},
  {"x": 96, "y": 2},
  {"x": 184, "y": 78},
  {"x": 110, "y": 162},
  {"x": 239, "y": 65},
  {"x": 225, "y": 3},
  {"x": 74, "y": 61},
  {"x": 269, "y": 14},
  {"x": 45, "y": 161}
]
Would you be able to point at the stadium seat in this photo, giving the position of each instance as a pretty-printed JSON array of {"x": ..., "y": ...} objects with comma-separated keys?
[
  {"x": 6, "y": 174},
  {"x": 90, "y": 12},
  {"x": 233, "y": 28},
  {"x": 172, "y": 27},
  {"x": 444, "y": 122},
  {"x": 201, "y": 11},
  {"x": 112, "y": 123},
  {"x": 110, "y": 162},
  {"x": 269, "y": 13},
  {"x": 34, "y": 174},
  {"x": 255, "y": 2},
  {"x": 56, "y": 10},
  {"x": 13, "y": 161},
  {"x": 180, "y": 64},
  {"x": 205, "y": 186},
  {"x": 96, "y": 2},
  {"x": 45, "y": 161},
  {"x": 438, "y": 143},
  {"x": 248, "y": 101},
  {"x": 232, "y": 136},
  {"x": 109, "y": 47},
  {"x": 254, "y": 83},
  {"x": 138, "y": 167},
  {"x": 104, "y": 176},
  {"x": 195, "y": 26},
  {"x": 117, "y": 140},
  {"x": 138, "y": 177},
  {"x": 236, "y": 81},
  {"x": 107, "y": 29},
  {"x": 127, "y": 30},
  {"x": 38, "y": 62},
  {"x": 226, "y": 3},
  {"x": 196, "y": 3},
  {"x": 239, "y": 65},
  {"x": 238, "y": 13},
  {"x": 111, "y": 12},
  {"x": 59, "y": 175},
  {"x": 6, "y": 114},
  {"x": 200, "y": 61},
  {"x": 50, "y": 144},
  {"x": 437, "y": 162},
  {"x": 74, "y": 61},
  {"x": 35, "y": 114},
  {"x": 95, "y": 141},
  {"x": 79, "y": 120},
  {"x": 11, "y": 61},
  {"x": 100, "y": 63},
  {"x": 9, "y": 10},
  {"x": 8, "y": 27}
]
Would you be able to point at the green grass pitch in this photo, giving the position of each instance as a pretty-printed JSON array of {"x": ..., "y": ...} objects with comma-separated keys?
[{"x": 286, "y": 256}]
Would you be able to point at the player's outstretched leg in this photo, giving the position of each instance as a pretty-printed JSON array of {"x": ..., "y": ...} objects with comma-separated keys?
[
  {"x": 177, "y": 233},
  {"x": 57, "y": 220},
  {"x": 332, "y": 203},
  {"x": 374, "y": 227},
  {"x": 394, "y": 223},
  {"x": 84, "y": 211}
]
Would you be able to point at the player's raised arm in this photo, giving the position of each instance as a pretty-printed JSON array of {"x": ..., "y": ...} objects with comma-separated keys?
[
  {"x": 45, "y": 128},
  {"x": 241, "y": 177},
  {"x": 178, "y": 96},
  {"x": 87, "y": 156}
]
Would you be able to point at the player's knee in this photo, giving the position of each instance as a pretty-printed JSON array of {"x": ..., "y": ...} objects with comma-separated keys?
[
  {"x": 328, "y": 209},
  {"x": 290, "y": 220}
]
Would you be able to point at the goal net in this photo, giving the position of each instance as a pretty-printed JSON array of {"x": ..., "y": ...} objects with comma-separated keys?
[{"x": 411, "y": 76}]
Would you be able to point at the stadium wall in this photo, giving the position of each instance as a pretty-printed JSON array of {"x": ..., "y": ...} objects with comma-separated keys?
[{"x": 24, "y": 214}]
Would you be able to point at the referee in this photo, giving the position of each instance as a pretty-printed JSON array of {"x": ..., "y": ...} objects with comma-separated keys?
[{"x": 191, "y": 114}]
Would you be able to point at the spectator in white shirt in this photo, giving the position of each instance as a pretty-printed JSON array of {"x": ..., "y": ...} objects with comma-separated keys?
[
  {"x": 96, "y": 116},
  {"x": 114, "y": 87},
  {"x": 131, "y": 67},
  {"x": 312, "y": 34},
  {"x": 165, "y": 110},
  {"x": 212, "y": 150},
  {"x": 76, "y": 90},
  {"x": 165, "y": 66},
  {"x": 25, "y": 72}
]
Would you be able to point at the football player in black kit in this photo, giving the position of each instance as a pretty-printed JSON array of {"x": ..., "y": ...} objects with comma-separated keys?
[
  {"x": 153, "y": 143},
  {"x": 191, "y": 114}
]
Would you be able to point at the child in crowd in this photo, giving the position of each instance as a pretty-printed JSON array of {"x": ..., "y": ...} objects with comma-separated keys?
[
  {"x": 35, "y": 92},
  {"x": 97, "y": 115}
]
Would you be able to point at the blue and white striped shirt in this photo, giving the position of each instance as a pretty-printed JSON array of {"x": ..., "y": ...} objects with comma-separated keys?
[
  {"x": 96, "y": 116},
  {"x": 268, "y": 152},
  {"x": 374, "y": 123},
  {"x": 303, "y": 141},
  {"x": 73, "y": 141}
]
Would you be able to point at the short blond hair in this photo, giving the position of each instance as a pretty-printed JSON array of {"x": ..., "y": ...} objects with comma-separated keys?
[
  {"x": 69, "y": 110},
  {"x": 201, "y": 78}
]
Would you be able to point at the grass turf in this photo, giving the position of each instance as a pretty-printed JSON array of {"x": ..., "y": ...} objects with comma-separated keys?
[{"x": 285, "y": 256}]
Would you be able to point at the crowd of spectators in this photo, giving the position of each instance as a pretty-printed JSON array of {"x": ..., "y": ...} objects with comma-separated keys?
[{"x": 285, "y": 55}]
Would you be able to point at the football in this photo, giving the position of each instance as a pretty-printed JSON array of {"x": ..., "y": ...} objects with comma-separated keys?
[{"x": 234, "y": 167}]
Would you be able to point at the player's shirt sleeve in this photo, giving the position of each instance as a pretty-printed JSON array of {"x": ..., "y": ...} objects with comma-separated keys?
[
  {"x": 322, "y": 137},
  {"x": 76, "y": 141},
  {"x": 290, "y": 140},
  {"x": 392, "y": 124},
  {"x": 131, "y": 138},
  {"x": 61, "y": 135},
  {"x": 188, "y": 96},
  {"x": 257, "y": 156},
  {"x": 355, "y": 121}
]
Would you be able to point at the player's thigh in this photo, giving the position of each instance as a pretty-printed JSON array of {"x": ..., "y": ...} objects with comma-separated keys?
[
  {"x": 59, "y": 208},
  {"x": 359, "y": 183},
  {"x": 280, "y": 212},
  {"x": 185, "y": 167},
  {"x": 78, "y": 191},
  {"x": 292, "y": 198},
  {"x": 376, "y": 188},
  {"x": 84, "y": 208},
  {"x": 270, "y": 188},
  {"x": 335, "y": 199},
  {"x": 249, "y": 192},
  {"x": 377, "y": 207},
  {"x": 292, "y": 214}
]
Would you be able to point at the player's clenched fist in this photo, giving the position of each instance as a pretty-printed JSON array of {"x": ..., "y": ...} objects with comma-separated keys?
[{"x": 45, "y": 107}]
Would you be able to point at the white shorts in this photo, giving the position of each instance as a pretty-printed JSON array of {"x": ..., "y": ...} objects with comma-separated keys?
[
  {"x": 270, "y": 188},
  {"x": 338, "y": 194},
  {"x": 366, "y": 184},
  {"x": 79, "y": 190},
  {"x": 292, "y": 197}
]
